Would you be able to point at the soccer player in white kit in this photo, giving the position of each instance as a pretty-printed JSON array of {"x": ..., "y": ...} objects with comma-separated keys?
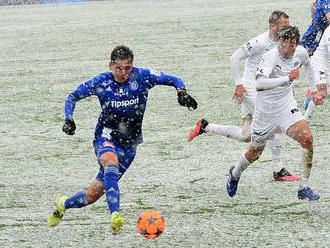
[
  {"x": 245, "y": 90},
  {"x": 276, "y": 108},
  {"x": 321, "y": 64}
]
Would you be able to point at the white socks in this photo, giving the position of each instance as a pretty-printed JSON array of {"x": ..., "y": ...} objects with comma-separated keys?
[
  {"x": 309, "y": 111},
  {"x": 232, "y": 132},
  {"x": 275, "y": 147},
  {"x": 241, "y": 166},
  {"x": 303, "y": 182}
]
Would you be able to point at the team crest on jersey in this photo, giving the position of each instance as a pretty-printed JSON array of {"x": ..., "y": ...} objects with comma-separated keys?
[{"x": 133, "y": 85}]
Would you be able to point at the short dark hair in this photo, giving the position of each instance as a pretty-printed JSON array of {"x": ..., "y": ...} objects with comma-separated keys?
[
  {"x": 276, "y": 15},
  {"x": 290, "y": 33},
  {"x": 121, "y": 53}
]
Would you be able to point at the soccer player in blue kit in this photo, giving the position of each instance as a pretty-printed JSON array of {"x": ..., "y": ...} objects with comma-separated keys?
[
  {"x": 123, "y": 93},
  {"x": 320, "y": 20},
  {"x": 320, "y": 12}
]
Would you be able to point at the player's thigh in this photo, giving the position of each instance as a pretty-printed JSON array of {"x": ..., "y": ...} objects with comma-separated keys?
[
  {"x": 105, "y": 152},
  {"x": 262, "y": 127},
  {"x": 125, "y": 156},
  {"x": 289, "y": 117}
]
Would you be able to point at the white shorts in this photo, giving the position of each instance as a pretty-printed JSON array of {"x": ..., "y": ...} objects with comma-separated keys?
[
  {"x": 249, "y": 102},
  {"x": 263, "y": 124}
]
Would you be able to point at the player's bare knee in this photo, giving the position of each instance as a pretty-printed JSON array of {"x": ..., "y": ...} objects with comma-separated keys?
[
  {"x": 253, "y": 155},
  {"x": 109, "y": 159}
]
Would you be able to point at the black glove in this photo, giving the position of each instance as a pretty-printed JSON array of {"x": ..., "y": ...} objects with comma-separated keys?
[
  {"x": 69, "y": 127},
  {"x": 186, "y": 100}
]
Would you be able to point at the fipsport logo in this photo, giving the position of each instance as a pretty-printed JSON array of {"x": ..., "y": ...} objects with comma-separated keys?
[{"x": 125, "y": 103}]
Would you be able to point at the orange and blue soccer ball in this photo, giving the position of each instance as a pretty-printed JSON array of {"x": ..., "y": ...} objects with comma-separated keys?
[{"x": 151, "y": 224}]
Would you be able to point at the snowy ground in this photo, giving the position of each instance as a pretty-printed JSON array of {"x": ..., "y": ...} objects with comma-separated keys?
[{"x": 46, "y": 50}]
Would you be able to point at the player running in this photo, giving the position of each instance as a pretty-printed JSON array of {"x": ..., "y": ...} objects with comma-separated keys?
[
  {"x": 276, "y": 108},
  {"x": 320, "y": 12},
  {"x": 321, "y": 65},
  {"x": 245, "y": 91},
  {"x": 123, "y": 93}
]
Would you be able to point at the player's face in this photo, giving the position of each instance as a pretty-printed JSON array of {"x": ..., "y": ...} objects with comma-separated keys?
[
  {"x": 280, "y": 25},
  {"x": 121, "y": 70},
  {"x": 287, "y": 47}
]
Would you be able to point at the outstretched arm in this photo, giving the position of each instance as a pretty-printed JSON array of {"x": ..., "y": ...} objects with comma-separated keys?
[
  {"x": 184, "y": 99},
  {"x": 84, "y": 90},
  {"x": 235, "y": 59}
]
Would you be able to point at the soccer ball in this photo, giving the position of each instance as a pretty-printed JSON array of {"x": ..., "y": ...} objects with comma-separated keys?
[{"x": 151, "y": 224}]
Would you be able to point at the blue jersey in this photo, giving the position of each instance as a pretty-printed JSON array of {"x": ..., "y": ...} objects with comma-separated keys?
[
  {"x": 122, "y": 104},
  {"x": 312, "y": 36}
]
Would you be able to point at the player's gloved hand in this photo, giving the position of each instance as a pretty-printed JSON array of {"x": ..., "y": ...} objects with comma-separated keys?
[
  {"x": 186, "y": 100},
  {"x": 69, "y": 127}
]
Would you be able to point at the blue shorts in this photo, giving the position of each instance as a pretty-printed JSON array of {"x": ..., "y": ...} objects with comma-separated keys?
[{"x": 125, "y": 155}]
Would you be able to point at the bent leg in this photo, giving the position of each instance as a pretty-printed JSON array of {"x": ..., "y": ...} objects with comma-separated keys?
[
  {"x": 81, "y": 199},
  {"x": 235, "y": 172},
  {"x": 94, "y": 191},
  {"x": 303, "y": 135},
  {"x": 86, "y": 196},
  {"x": 241, "y": 133},
  {"x": 251, "y": 155},
  {"x": 278, "y": 165}
]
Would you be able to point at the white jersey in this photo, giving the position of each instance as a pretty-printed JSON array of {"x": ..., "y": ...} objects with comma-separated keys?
[
  {"x": 321, "y": 57},
  {"x": 275, "y": 101},
  {"x": 254, "y": 49}
]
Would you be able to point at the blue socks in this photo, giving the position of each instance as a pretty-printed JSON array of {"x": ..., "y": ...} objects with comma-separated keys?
[
  {"x": 111, "y": 174},
  {"x": 78, "y": 200}
]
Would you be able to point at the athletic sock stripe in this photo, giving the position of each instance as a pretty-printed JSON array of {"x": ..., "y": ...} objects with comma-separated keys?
[{"x": 112, "y": 169}]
